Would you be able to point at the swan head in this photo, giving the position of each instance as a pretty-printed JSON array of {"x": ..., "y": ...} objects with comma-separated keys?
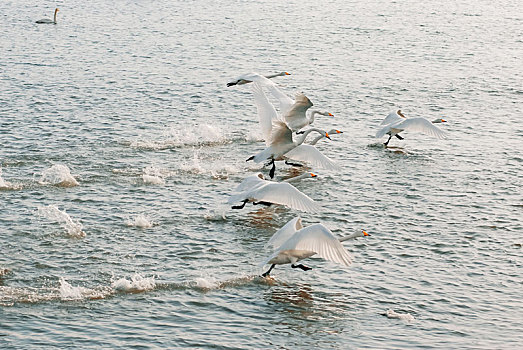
[
  {"x": 439, "y": 120},
  {"x": 284, "y": 73},
  {"x": 327, "y": 136},
  {"x": 335, "y": 131},
  {"x": 364, "y": 233},
  {"x": 313, "y": 175},
  {"x": 400, "y": 114}
]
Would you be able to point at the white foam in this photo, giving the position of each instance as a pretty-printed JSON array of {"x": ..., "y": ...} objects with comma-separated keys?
[
  {"x": 68, "y": 292},
  {"x": 154, "y": 176},
  {"x": 206, "y": 283},
  {"x": 180, "y": 136},
  {"x": 137, "y": 283},
  {"x": 405, "y": 317},
  {"x": 58, "y": 175},
  {"x": 5, "y": 185},
  {"x": 73, "y": 228},
  {"x": 141, "y": 221}
]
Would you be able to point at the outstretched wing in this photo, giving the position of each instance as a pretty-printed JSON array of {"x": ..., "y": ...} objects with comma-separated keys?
[
  {"x": 285, "y": 101},
  {"x": 422, "y": 125},
  {"x": 319, "y": 239},
  {"x": 393, "y": 117},
  {"x": 383, "y": 131},
  {"x": 310, "y": 154},
  {"x": 266, "y": 112},
  {"x": 285, "y": 194},
  {"x": 281, "y": 134},
  {"x": 284, "y": 233},
  {"x": 298, "y": 109}
]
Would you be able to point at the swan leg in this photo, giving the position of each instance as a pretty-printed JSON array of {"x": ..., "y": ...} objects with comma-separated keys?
[
  {"x": 268, "y": 204},
  {"x": 386, "y": 143},
  {"x": 293, "y": 164},
  {"x": 273, "y": 169},
  {"x": 250, "y": 158},
  {"x": 231, "y": 84},
  {"x": 301, "y": 266},
  {"x": 399, "y": 137},
  {"x": 240, "y": 206},
  {"x": 269, "y": 271}
]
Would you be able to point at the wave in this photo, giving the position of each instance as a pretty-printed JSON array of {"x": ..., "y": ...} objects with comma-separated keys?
[
  {"x": 58, "y": 175},
  {"x": 72, "y": 228},
  {"x": 6, "y": 186}
]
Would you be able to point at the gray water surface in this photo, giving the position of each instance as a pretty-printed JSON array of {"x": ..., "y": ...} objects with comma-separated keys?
[{"x": 128, "y": 100}]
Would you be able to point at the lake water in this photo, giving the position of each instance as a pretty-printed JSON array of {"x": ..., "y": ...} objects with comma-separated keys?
[{"x": 119, "y": 145}]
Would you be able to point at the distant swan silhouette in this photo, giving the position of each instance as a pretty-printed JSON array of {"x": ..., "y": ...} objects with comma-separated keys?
[
  {"x": 47, "y": 20},
  {"x": 247, "y": 78}
]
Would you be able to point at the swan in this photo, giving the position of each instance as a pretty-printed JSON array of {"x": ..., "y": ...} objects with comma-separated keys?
[
  {"x": 396, "y": 122},
  {"x": 281, "y": 143},
  {"x": 47, "y": 20},
  {"x": 257, "y": 190},
  {"x": 293, "y": 112},
  {"x": 247, "y": 78},
  {"x": 293, "y": 242}
]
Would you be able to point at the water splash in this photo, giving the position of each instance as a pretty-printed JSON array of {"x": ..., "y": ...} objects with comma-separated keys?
[
  {"x": 140, "y": 221},
  {"x": 192, "y": 135},
  {"x": 58, "y": 175},
  {"x": 5, "y": 185},
  {"x": 68, "y": 292},
  {"x": 72, "y": 228},
  {"x": 404, "y": 317},
  {"x": 154, "y": 176},
  {"x": 137, "y": 284}
]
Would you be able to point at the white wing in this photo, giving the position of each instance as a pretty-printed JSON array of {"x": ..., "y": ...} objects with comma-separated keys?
[
  {"x": 285, "y": 194},
  {"x": 422, "y": 125},
  {"x": 250, "y": 182},
  {"x": 280, "y": 134},
  {"x": 319, "y": 239},
  {"x": 285, "y": 101},
  {"x": 266, "y": 111},
  {"x": 393, "y": 117},
  {"x": 310, "y": 154},
  {"x": 383, "y": 131},
  {"x": 298, "y": 109},
  {"x": 284, "y": 233}
]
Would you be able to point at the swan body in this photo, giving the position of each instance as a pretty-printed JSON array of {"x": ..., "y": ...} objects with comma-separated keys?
[
  {"x": 248, "y": 78},
  {"x": 293, "y": 243},
  {"x": 396, "y": 122},
  {"x": 47, "y": 20},
  {"x": 257, "y": 190}
]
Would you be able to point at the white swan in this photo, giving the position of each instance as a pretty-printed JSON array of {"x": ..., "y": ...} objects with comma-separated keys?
[
  {"x": 47, "y": 20},
  {"x": 293, "y": 243},
  {"x": 293, "y": 112},
  {"x": 257, "y": 190},
  {"x": 281, "y": 143},
  {"x": 396, "y": 122},
  {"x": 247, "y": 78}
]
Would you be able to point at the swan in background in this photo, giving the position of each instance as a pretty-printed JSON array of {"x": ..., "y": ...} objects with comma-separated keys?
[
  {"x": 247, "y": 78},
  {"x": 293, "y": 243},
  {"x": 257, "y": 190},
  {"x": 396, "y": 122},
  {"x": 47, "y": 20},
  {"x": 281, "y": 143},
  {"x": 293, "y": 112}
]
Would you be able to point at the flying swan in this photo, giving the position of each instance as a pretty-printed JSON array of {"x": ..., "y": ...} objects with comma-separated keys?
[
  {"x": 293, "y": 243},
  {"x": 257, "y": 190},
  {"x": 281, "y": 147},
  {"x": 47, "y": 20},
  {"x": 247, "y": 78},
  {"x": 396, "y": 122}
]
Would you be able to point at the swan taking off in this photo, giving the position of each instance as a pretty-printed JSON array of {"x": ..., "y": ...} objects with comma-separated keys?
[
  {"x": 47, "y": 20},
  {"x": 257, "y": 190},
  {"x": 281, "y": 143},
  {"x": 396, "y": 122},
  {"x": 247, "y": 78},
  {"x": 293, "y": 243},
  {"x": 293, "y": 112}
]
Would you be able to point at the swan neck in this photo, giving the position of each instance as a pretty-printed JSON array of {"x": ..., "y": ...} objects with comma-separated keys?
[
  {"x": 346, "y": 238},
  {"x": 315, "y": 141},
  {"x": 311, "y": 117},
  {"x": 296, "y": 178},
  {"x": 54, "y": 20},
  {"x": 305, "y": 134}
]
